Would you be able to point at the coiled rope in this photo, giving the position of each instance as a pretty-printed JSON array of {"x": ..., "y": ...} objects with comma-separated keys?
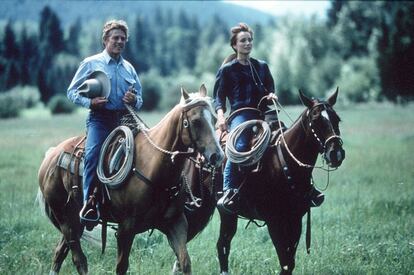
[
  {"x": 119, "y": 177},
  {"x": 256, "y": 152}
]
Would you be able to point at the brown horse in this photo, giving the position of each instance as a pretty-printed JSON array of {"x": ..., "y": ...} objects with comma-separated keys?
[
  {"x": 279, "y": 194},
  {"x": 138, "y": 205}
]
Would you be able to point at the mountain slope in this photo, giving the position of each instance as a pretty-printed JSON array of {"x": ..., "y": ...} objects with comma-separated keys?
[{"x": 69, "y": 11}]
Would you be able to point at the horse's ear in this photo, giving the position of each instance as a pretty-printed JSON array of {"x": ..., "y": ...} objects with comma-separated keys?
[
  {"x": 305, "y": 100},
  {"x": 184, "y": 93},
  {"x": 332, "y": 99},
  {"x": 203, "y": 90}
]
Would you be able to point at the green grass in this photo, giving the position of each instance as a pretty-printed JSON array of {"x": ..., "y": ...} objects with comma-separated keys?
[{"x": 365, "y": 226}]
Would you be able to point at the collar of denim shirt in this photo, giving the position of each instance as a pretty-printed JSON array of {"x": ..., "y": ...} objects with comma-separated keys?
[{"x": 108, "y": 58}]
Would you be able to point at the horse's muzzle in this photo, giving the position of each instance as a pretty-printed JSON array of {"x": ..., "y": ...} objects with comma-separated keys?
[
  {"x": 335, "y": 154},
  {"x": 215, "y": 159}
]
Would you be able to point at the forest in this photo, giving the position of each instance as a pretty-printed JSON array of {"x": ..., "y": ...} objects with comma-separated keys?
[{"x": 364, "y": 48}]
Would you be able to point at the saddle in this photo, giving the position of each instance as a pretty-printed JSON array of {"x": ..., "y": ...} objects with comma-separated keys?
[
  {"x": 276, "y": 128},
  {"x": 72, "y": 161},
  {"x": 271, "y": 119}
]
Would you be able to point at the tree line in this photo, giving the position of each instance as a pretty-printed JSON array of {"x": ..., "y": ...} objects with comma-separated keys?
[{"x": 366, "y": 48}]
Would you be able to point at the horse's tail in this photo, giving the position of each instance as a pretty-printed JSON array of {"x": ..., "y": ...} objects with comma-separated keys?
[{"x": 45, "y": 208}]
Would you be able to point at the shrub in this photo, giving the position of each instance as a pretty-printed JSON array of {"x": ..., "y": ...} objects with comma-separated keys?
[
  {"x": 59, "y": 104},
  {"x": 10, "y": 104},
  {"x": 172, "y": 93},
  {"x": 29, "y": 94},
  {"x": 152, "y": 84},
  {"x": 359, "y": 80}
]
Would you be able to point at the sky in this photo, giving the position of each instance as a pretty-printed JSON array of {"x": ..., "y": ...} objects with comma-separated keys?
[{"x": 287, "y": 7}]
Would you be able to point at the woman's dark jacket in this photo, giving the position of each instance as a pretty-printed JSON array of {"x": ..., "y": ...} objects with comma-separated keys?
[{"x": 235, "y": 82}]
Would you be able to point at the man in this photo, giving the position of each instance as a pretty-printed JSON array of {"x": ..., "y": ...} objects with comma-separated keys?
[{"x": 105, "y": 112}]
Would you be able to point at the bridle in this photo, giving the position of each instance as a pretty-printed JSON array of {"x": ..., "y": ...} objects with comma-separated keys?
[
  {"x": 184, "y": 124},
  {"x": 322, "y": 145}
]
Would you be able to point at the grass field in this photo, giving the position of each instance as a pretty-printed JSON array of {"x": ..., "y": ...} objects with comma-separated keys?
[{"x": 365, "y": 226}]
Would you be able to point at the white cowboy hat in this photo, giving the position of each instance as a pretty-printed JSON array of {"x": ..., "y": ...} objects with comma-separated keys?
[{"x": 96, "y": 85}]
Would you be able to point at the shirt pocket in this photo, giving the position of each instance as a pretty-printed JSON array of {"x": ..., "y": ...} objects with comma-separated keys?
[
  {"x": 128, "y": 79},
  {"x": 130, "y": 82}
]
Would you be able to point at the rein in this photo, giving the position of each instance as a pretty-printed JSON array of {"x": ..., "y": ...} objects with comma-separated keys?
[
  {"x": 322, "y": 146},
  {"x": 198, "y": 202},
  {"x": 281, "y": 139},
  {"x": 142, "y": 127}
]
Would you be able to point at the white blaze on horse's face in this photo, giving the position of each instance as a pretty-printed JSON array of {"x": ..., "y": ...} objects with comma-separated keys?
[
  {"x": 325, "y": 114},
  {"x": 208, "y": 117}
]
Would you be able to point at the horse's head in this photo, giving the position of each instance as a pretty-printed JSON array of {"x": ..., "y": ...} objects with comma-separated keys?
[
  {"x": 323, "y": 122},
  {"x": 198, "y": 125}
]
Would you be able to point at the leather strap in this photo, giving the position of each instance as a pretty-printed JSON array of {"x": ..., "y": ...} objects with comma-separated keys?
[
  {"x": 283, "y": 163},
  {"x": 141, "y": 176},
  {"x": 308, "y": 231}
]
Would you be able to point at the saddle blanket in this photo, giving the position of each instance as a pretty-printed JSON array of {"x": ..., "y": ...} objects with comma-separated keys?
[{"x": 66, "y": 159}]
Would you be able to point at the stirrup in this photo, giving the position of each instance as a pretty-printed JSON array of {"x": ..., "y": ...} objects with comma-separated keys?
[
  {"x": 316, "y": 198},
  {"x": 83, "y": 214}
]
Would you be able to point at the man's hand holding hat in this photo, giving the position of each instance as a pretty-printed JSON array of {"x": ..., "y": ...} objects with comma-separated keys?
[{"x": 97, "y": 85}]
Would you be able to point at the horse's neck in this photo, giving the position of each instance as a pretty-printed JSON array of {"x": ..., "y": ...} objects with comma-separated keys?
[
  {"x": 156, "y": 150},
  {"x": 166, "y": 133},
  {"x": 300, "y": 143}
]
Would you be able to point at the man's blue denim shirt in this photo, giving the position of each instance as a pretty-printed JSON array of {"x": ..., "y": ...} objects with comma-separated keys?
[{"x": 122, "y": 75}]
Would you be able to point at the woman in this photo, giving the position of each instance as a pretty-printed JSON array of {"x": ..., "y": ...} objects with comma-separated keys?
[{"x": 243, "y": 81}]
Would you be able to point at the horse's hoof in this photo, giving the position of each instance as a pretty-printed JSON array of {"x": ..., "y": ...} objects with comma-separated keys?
[{"x": 176, "y": 268}]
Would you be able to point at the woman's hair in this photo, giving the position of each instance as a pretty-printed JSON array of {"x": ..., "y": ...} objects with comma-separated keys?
[
  {"x": 112, "y": 25},
  {"x": 241, "y": 27}
]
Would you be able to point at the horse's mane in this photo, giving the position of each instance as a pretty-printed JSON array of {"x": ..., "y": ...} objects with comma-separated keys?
[{"x": 196, "y": 98}]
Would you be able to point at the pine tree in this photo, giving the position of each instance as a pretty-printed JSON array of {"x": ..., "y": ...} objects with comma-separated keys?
[
  {"x": 11, "y": 52},
  {"x": 50, "y": 32},
  {"x": 28, "y": 58},
  {"x": 50, "y": 44},
  {"x": 72, "y": 42},
  {"x": 11, "y": 75}
]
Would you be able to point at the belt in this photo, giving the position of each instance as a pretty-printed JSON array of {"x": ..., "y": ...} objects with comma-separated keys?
[{"x": 110, "y": 112}]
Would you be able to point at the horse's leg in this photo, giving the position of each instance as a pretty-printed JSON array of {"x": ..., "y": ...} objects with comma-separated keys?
[
  {"x": 61, "y": 252},
  {"x": 228, "y": 228},
  {"x": 125, "y": 238},
  {"x": 67, "y": 219},
  {"x": 285, "y": 235},
  {"x": 177, "y": 237},
  {"x": 72, "y": 233}
]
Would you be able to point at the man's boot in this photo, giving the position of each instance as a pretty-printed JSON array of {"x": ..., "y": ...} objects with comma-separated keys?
[
  {"x": 89, "y": 214},
  {"x": 229, "y": 202}
]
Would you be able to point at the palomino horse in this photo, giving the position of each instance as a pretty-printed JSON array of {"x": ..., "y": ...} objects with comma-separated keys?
[
  {"x": 139, "y": 204},
  {"x": 279, "y": 193}
]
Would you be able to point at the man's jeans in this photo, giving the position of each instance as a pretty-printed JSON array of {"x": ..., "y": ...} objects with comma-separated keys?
[
  {"x": 232, "y": 175},
  {"x": 99, "y": 125}
]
